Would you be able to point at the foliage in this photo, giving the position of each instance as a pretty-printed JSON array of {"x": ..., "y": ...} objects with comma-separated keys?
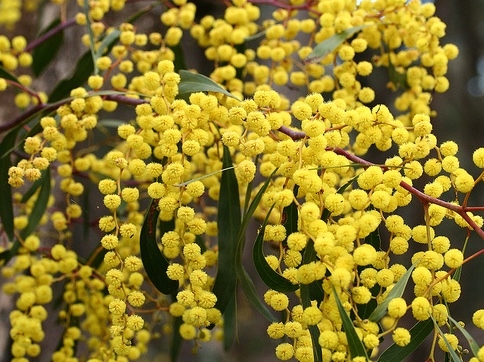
[{"x": 168, "y": 169}]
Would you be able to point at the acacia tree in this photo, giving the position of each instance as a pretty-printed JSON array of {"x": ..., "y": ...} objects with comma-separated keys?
[{"x": 281, "y": 132}]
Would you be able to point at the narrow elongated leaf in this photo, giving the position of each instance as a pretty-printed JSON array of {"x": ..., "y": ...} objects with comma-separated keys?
[
  {"x": 250, "y": 292},
  {"x": 202, "y": 177},
  {"x": 84, "y": 68},
  {"x": 40, "y": 204},
  {"x": 6, "y": 207},
  {"x": 453, "y": 354},
  {"x": 34, "y": 218},
  {"x": 314, "y": 290},
  {"x": 8, "y": 75},
  {"x": 229, "y": 222},
  {"x": 357, "y": 349},
  {"x": 269, "y": 276},
  {"x": 472, "y": 342},
  {"x": 245, "y": 280},
  {"x": 255, "y": 36},
  {"x": 326, "y": 213},
  {"x": 311, "y": 292},
  {"x": 330, "y": 44},
  {"x": 201, "y": 243},
  {"x": 44, "y": 52},
  {"x": 230, "y": 323},
  {"x": 31, "y": 191},
  {"x": 31, "y": 115},
  {"x": 179, "y": 55},
  {"x": 398, "y": 78},
  {"x": 365, "y": 310},
  {"x": 396, "y": 292},
  {"x": 193, "y": 82},
  {"x": 374, "y": 239},
  {"x": 176, "y": 339},
  {"x": 290, "y": 216},
  {"x": 418, "y": 333},
  {"x": 154, "y": 261},
  {"x": 106, "y": 43}
]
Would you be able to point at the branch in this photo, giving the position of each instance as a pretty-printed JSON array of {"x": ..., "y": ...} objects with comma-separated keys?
[
  {"x": 32, "y": 45},
  {"x": 459, "y": 209}
]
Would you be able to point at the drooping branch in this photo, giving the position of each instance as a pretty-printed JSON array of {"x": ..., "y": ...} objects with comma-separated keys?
[{"x": 459, "y": 209}]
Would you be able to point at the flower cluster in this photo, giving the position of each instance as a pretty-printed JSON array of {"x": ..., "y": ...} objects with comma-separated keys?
[{"x": 332, "y": 220}]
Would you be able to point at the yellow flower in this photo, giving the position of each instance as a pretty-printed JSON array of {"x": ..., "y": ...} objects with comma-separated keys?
[
  {"x": 401, "y": 336},
  {"x": 421, "y": 308}
]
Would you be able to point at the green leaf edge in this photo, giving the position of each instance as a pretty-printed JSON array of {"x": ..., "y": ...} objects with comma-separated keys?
[
  {"x": 269, "y": 276},
  {"x": 418, "y": 334},
  {"x": 154, "y": 262},
  {"x": 6, "y": 207},
  {"x": 229, "y": 225},
  {"x": 8, "y": 75},
  {"x": 35, "y": 216},
  {"x": 245, "y": 280},
  {"x": 357, "y": 349},
  {"x": 452, "y": 353},
  {"x": 396, "y": 292},
  {"x": 193, "y": 82},
  {"x": 472, "y": 342},
  {"x": 330, "y": 44},
  {"x": 45, "y": 52}
]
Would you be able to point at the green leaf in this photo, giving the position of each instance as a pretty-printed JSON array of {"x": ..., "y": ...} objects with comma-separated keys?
[
  {"x": 106, "y": 43},
  {"x": 255, "y": 36},
  {"x": 472, "y": 342},
  {"x": 396, "y": 292},
  {"x": 179, "y": 57},
  {"x": 31, "y": 191},
  {"x": 78, "y": 77},
  {"x": 193, "y": 82},
  {"x": 290, "y": 216},
  {"x": 31, "y": 115},
  {"x": 203, "y": 176},
  {"x": 6, "y": 207},
  {"x": 317, "y": 351},
  {"x": 452, "y": 353},
  {"x": 374, "y": 239},
  {"x": 245, "y": 280},
  {"x": 229, "y": 224},
  {"x": 326, "y": 213},
  {"x": 269, "y": 276},
  {"x": 250, "y": 292},
  {"x": 418, "y": 333},
  {"x": 398, "y": 78},
  {"x": 230, "y": 323},
  {"x": 176, "y": 339},
  {"x": 43, "y": 53},
  {"x": 311, "y": 292},
  {"x": 34, "y": 218},
  {"x": 314, "y": 290},
  {"x": 84, "y": 68},
  {"x": 8, "y": 75},
  {"x": 357, "y": 349},
  {"x": 154, "y": 261},
  {"x": 40, "y": 204},
  {"x": 330, "y": 44}
]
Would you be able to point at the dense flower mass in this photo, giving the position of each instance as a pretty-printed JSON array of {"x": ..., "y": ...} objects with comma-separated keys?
[{"x": 278, "y": 132}]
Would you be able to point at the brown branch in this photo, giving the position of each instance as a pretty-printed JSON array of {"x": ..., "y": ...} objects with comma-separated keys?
[{"x": 459, "y": 209}]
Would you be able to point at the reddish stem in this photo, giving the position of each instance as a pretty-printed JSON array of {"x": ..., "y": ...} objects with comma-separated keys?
[
  {"x": 459, "y": 209},
  {"x": 35, "y": 43}
]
